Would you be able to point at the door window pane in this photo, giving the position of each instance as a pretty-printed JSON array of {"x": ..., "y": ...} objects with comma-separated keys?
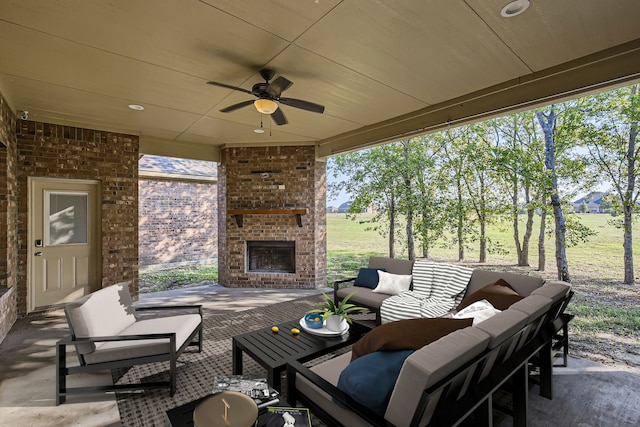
[{"x": 66, "y": 218}]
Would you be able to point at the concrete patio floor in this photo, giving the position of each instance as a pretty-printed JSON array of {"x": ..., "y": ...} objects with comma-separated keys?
[
  {"x": 27, "y": 358},
  {"x": 27, "y": 371}
]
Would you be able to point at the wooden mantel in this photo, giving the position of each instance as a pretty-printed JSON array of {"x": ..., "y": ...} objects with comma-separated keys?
[{"x": 238, "y": 213}]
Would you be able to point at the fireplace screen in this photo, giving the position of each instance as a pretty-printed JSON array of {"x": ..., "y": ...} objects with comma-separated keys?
[{"x": 271, "y": 256}]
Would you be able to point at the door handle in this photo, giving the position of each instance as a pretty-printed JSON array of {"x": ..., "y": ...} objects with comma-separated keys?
[{"x": 38, "y": 254}]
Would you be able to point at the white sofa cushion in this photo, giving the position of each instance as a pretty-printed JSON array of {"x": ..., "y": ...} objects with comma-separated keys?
[
  {"x": 479, "y": 311},
  {"x": 392, "y": 284},
  {"x": 182, "y": 325}
]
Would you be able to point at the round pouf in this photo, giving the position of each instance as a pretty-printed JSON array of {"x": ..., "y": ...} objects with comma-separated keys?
[{"x": 227, "y": 408}]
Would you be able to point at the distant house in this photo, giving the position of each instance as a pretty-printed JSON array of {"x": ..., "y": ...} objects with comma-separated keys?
[
  {"x": 332, "y": 209},
  {"x": 344, "y": 208},
  {"x": 593, "y": 202}
]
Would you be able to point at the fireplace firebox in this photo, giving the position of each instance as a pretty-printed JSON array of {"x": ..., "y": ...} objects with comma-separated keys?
[{"x": 271, "y": 256}]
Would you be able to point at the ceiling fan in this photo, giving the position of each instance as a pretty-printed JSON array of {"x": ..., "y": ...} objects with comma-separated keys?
[{"x": 268, "y": 95}]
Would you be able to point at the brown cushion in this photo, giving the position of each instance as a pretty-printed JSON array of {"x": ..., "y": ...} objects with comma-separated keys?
[
  {"x": 500, "y": 294},
  {"x": 408, "y": 334}
]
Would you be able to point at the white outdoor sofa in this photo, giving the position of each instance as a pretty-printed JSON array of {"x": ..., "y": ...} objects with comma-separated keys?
[{"x": 108, "y": 332}]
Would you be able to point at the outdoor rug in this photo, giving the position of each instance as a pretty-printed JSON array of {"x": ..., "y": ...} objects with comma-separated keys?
[
  {"x": 585, "y": 394},
  {"x": 196, "y": 370}
]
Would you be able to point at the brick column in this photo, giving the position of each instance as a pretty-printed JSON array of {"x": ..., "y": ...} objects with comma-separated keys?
[{"x": 272, "y": 178}]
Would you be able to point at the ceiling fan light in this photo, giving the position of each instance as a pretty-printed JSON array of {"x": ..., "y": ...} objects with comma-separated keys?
[{"x": 265, "y": 106}]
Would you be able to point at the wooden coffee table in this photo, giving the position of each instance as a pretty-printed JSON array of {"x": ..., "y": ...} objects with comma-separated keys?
[{"x": 273, "y": 350}]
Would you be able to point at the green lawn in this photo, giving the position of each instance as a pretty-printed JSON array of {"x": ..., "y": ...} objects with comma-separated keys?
[
  {"x": 606, "y": 327},
  {"x": 602, "y": 255}
]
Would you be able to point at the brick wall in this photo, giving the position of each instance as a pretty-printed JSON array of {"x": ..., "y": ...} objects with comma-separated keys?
[
  {"x": 8, "y": 219},
  {"x": 243, "y": 184},
  {"x": 178, "y": 222},
  {"x": 46, "y": 150}
]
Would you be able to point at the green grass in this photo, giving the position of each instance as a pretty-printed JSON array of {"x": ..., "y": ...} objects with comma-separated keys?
[
  {"x": 176, "y": 277},
  {"x": 595, "y": 317},
  {"x": 607, "y": 317},
  {"x": 601, "y": 255}
]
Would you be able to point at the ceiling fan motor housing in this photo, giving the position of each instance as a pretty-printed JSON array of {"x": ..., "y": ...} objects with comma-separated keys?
[
  {"x": 267, "y": 74},
  {"x": 260, "y": 90}
]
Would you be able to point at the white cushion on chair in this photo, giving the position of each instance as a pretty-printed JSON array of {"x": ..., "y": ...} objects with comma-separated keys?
[
  {"x": 182, "y": 325},
  {"x": 102, "y": 313}
]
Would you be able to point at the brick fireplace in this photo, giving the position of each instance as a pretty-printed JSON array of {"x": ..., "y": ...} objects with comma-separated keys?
[{"x": 272, "y": 224}]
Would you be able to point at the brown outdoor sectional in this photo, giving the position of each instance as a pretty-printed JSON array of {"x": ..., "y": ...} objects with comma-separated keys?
[{"x": 454, "y": 377}]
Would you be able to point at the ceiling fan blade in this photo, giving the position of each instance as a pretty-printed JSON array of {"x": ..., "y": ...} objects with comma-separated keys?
[
  {"x": 279, "y": 117},
  {"x": 304, "y": 105},
  {"x": 279, "y": 85},
  {"x": 230, "y": 87},
  {"x": 234, "y": 107}
]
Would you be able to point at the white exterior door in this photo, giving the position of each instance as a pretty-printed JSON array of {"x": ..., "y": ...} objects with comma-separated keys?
[{"x": 64, "y": 240}]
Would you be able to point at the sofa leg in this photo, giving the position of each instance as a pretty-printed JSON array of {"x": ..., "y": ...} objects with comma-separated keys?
[
  {"x": 546, "y": 370},
  {"x": 172, "y": 377},
  {"x": 61, "y": 376},
  {"x": 520, "y": 382}
]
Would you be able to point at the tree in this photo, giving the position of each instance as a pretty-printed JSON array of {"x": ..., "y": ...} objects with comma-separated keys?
[
  {"x": 611, "y": 139},
  {"x": 583, "y": 207},
  {"x": 479, "y": 179},
  {"x": 520, "y": 170},
  {"x": 372, "y": 183},
  {"x": 548, "y": 124},
  {"x": 456, "y": 166}
]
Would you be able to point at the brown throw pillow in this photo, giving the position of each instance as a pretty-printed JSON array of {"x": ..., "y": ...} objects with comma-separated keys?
[
  {"x": 500, "y": 294},
  {"x": 409, "y": 334}
]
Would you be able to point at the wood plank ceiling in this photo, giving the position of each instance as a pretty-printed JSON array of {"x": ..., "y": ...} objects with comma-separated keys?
[{"x": 382, "y": 69}]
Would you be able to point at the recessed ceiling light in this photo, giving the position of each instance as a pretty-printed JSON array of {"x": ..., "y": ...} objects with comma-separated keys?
[
  {"x": 136, "y": 107},
  {"x": 258, "y": 130},
  {"x": 516, "y": 7}
]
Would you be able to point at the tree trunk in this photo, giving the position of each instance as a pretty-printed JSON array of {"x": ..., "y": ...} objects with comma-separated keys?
[
  {"x": 523, "y": 261},
  {"x": 542, "y": 254},
  {"x": 411, "y": 251},
  {"x": 629, "y": 278},
  {"x": 514, "y": 213},
  {"x": 628, "y": 246},
  {"x": 548, "y": 124},
  {"x": 460, "y": 221},
  {"x": 482, "y": 216},
  {"x": 483, "y": 241},
  {"x": 392, "y": 228}
]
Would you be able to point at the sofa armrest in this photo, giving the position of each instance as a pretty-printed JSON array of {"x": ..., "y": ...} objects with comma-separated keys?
[
  {"x": 170, "y": 307},
  {"x": 336, "y": 286},
  {"x": 338, "y": 395},
  {"x": 163, "y": 335}
]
